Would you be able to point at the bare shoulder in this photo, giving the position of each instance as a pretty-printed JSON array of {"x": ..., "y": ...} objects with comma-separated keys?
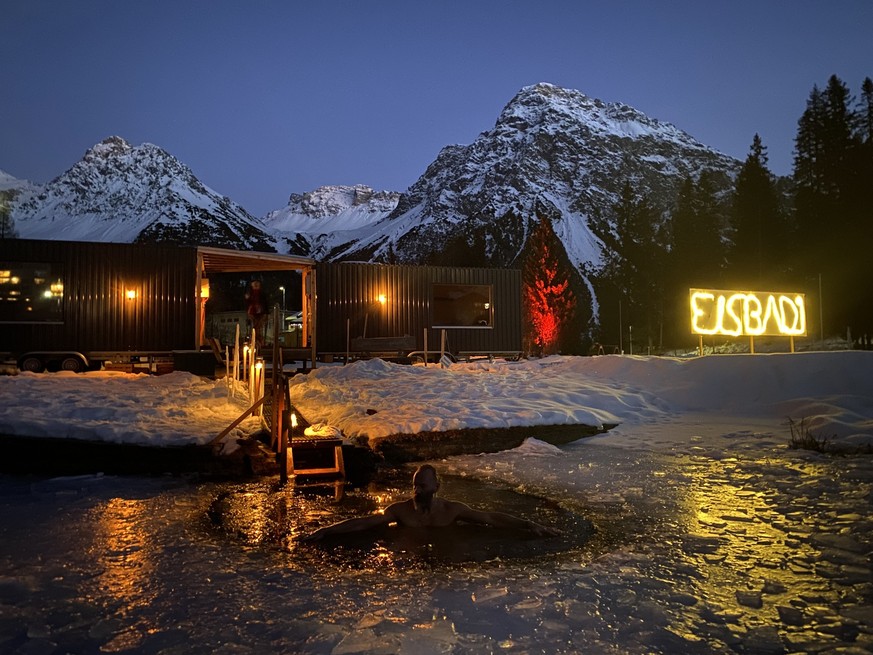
[
  {"x": 396, "y": 511},
  {"x": 455, "y": 505},
  {"x": 459, "y": 510}
]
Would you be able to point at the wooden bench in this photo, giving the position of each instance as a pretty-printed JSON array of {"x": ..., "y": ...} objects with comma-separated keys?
[
  {"x": 382, "y": 344},
  {"x": 490, "y": 355}
]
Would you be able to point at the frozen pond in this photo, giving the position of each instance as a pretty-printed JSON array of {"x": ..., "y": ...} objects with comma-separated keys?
[{"x": 764, "y": 551}]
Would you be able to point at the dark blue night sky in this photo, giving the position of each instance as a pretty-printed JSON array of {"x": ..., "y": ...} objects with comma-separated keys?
[{"x": 262, "y": 99}]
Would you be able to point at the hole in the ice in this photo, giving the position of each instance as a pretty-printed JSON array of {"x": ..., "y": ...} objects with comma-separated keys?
[{"x": 265, "y": 514}]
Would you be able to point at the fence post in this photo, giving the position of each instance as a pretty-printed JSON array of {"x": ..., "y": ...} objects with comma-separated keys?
[
  {"x": 425, "y": 347},
  {"x": 278, "y": 435}
]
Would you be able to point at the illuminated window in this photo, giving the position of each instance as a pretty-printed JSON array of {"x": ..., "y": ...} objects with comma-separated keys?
[
  {"x": 462, "y": 306},
  {"x": 31, "y": 292}
]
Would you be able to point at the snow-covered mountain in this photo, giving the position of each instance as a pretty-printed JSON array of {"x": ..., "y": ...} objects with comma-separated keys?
[
  {"x": 118, "y": 192},
  {"x": 12, "y": 186},
  {"x": 313, "y": 222},
  {"x": 552, "y": 152}
]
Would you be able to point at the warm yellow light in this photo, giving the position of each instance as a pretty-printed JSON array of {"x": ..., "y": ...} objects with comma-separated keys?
[
  {"x": 47, "y": 293},
  {"x": 383, "y": 298},
  {"x": 259, "y": 365},
  {"x": 204, "y": 288},
  {"x": 57, "y": 288},
  {"x": 747, "y": 313},
  {"x": 130, "y": 294},
  {"x": 293, "y": 420}
]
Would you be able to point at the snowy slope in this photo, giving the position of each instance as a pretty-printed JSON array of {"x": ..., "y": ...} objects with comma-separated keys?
[
  {"x": 553, "y": 152},
  {"x": 121, "y": 193},
  {"x": 10, "y": 183},
  {"x": 330, "y": 214}
]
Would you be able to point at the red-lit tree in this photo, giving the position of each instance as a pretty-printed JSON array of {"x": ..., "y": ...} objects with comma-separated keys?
[{"x": 549, "y": 300}]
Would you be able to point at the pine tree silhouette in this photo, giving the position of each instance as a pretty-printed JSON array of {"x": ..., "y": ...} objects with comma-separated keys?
[{"x": 549, "y": 300}]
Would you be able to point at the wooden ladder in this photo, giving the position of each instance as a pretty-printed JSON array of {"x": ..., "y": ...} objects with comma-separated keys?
[{"x": 315, "y": 446}]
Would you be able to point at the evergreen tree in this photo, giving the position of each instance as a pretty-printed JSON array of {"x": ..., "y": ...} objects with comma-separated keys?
[
  {"x": 549, "y": 301},
  {"x": 757, "y": 256},
  {"x": 697, "y": 254},
  {"x": 860, "y": 207},
  {"x": 865, "y": 111},
  {"x": 634, "y": 264},
  {"x": 7, "y": 225},
  {"x": 832, "y": 176},
  {"x": 808, "y": 179}
]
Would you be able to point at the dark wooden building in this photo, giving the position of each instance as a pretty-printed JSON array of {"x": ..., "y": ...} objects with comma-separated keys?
[
  {"x": 360, "y": 304},
  {"x": 73, "y": 304}
]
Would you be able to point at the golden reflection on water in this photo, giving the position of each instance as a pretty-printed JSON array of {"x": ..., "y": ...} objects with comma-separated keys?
[
  {"x": 121, "y": 547},
  {"x": 269, "y": 515},
  {"x": 735, "y": 517},
  {"x": 123, "y": 553}
]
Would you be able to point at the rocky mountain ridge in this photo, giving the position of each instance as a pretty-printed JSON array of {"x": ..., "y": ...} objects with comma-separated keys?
[
  {"x": 553, "y": 152},
  {"x": 118, "y": 192},
  {"x": 312, "y": 222}
]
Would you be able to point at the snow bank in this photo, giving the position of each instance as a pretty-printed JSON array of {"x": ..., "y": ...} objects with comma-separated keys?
[
  {"x": 169, "y": 410},
  {"x": 656, "y": 401}
]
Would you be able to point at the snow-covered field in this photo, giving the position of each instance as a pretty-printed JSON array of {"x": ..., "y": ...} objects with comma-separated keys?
[
  {"x": 712, "y": 534},
  {"x": 169, "y": 410},
  {"x": 656, "y": 402},
  {"x": 832, "y": 391}
]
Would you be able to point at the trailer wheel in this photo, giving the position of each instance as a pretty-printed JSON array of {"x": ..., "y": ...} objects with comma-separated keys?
[
  {"x": 73, "y": 364},
  {"x": 32, "y": 364}
]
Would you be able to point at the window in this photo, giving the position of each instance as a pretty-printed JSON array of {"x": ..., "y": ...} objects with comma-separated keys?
[
  {"x": 31, "y": 292},
  {"x": 462, "y": 306}
]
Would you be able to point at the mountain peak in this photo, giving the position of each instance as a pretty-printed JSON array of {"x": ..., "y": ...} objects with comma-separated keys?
[
  {"x": 560, "y": 108},
  {"x": 334, "y": 199},
  {"x": 8, "y": 181},
  {"x": 552, "y": 152},
  {"x": 329, "y": 213},
  {"x": 118, "y": 192},
  {"x": 548, "y": 90},
  {"x": 108, "y": 147}
]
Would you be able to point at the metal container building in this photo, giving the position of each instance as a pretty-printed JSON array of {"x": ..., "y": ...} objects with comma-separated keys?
[
  {"x": 73, "y": 304},
  {"x": 360, "y": 303},
  {"x": 81, "y": 302}
]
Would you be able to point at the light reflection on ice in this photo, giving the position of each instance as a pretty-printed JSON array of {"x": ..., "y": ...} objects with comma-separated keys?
[{"x": 748, "y": 553}]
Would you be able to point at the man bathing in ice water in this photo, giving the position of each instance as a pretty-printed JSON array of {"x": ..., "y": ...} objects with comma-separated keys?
[{"x": 424, "y": 509}]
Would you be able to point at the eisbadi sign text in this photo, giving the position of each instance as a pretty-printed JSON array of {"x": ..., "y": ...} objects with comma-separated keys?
[{"x": 747, "y": 313}]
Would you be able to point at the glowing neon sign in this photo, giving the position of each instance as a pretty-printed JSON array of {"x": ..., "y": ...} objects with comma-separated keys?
[{"x": 747, "y": 313}]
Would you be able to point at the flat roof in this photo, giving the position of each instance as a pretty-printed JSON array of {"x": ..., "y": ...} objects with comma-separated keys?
[{"x": 220, "y": 260}]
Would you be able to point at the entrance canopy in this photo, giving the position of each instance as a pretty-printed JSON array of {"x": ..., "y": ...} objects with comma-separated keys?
[{"x": 219, "y": 260}]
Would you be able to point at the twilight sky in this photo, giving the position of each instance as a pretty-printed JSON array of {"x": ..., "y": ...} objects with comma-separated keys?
[{"x": 265, "y": 98}]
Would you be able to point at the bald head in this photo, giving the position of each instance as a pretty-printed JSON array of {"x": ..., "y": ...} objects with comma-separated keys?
[{"x": 425, "y": 484}]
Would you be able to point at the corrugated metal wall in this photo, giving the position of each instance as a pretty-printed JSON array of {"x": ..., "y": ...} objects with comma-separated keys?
[
  {"x": 349, "y": 292},
  {"x": 97, "y": 315}
]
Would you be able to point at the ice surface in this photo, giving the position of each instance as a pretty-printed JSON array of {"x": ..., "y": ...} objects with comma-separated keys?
[{"x": 702, "y": 513}]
